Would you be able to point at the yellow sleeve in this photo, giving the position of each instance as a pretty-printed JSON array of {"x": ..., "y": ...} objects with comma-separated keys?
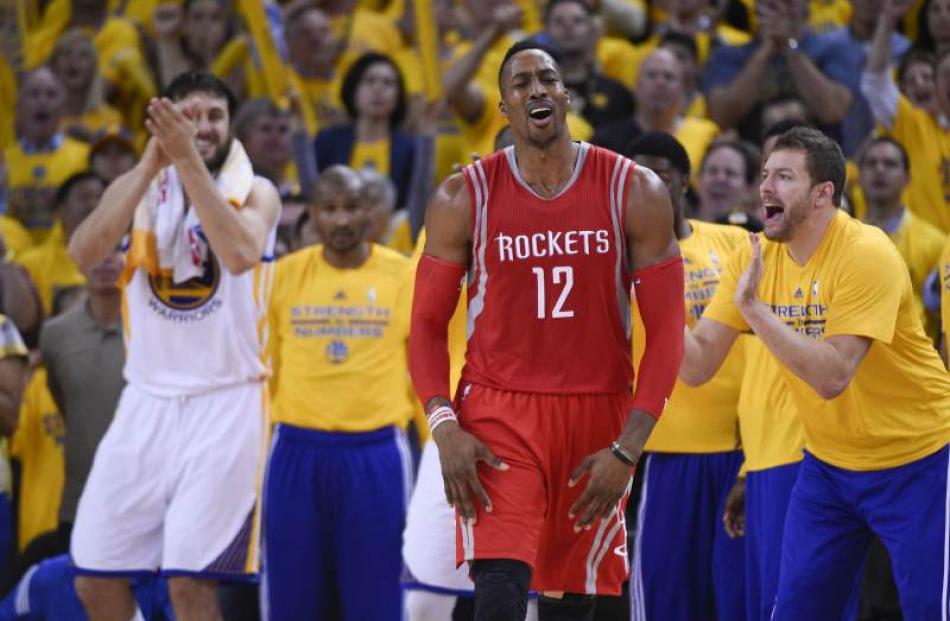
[
  {"x": 863, "y": 303},
  {"x": 723, "y": 308},
  {"x": 274, "y": 309},
  {"x": 945, "y": 289}
]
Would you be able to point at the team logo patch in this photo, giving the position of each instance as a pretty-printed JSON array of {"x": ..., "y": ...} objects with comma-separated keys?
[
  {"x": 337, "y": 351},
  {"x": 191, "y": 294}
]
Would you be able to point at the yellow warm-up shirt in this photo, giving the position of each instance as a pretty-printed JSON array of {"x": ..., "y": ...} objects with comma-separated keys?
[
  {"x": 371, "y": 155},
  {"x": 771, "y": 430},
  {"x": 339, "y": 342},
  {"x": 920, "y": 244},
  {"x": 928, "y": 145},
  {"x": 51, "y": 268},
  {"x": 945, "y": 290},
  {"x": 33, "y": 178},
  {"x": 38, "y": 446},
  {"x": 896, "y": 409},
  {"x": 701, "y": 419}
]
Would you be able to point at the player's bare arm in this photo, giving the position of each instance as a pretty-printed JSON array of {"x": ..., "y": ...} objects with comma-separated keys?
[
  {"x": 101, "y": 232},
  {"x": 827, "y": 366},
  {"x": 651, "y": 247},
  {"x": 237, "y": 236},
  {"x": 445, "y": 258},
  {"x": 705, "y": 347}
]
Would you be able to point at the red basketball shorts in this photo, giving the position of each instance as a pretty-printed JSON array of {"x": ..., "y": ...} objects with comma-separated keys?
[{"x": 543, "y": 438}]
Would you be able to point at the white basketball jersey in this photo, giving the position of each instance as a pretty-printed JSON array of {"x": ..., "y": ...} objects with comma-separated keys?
[{"x": 203, "y": 334}]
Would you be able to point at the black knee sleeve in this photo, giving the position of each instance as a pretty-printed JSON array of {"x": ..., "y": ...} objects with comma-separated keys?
[
  {"x": 572, "y": 607},
  {"x": 501, "y": 589}
]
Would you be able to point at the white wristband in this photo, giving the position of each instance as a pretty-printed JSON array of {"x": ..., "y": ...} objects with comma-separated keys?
[{"x": 440, "y": 415}]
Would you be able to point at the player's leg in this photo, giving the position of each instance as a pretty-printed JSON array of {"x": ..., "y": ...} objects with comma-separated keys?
[
  {"x": 194, "y": 599},
  {"x": 118, "y": 527},
  {"x": 297, "y": 580},
  {"x": 501, "y": 589},
  {"x": 672, "y": 544},
  {"x": 728, "y": 555},
  {"x": 767, "y": 495},
  {"x": 428, "y": 548},
  {"x": 502, "y": 546},
  {"x": 373, "y": 496},
  {"x": 907, "y": 508},
  {"x": 212, "y": 522},
  {"x": 427, "y": 606},
  {"x": 823, "y": 547},
  {"x": 572, "y": 568}
]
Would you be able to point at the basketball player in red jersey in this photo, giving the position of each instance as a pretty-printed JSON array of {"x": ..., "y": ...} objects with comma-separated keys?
[{"x": 551, "y": 232}]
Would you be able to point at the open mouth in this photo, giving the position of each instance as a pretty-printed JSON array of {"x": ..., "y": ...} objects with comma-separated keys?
[
  {"x": 541, "y": 114},
  {"x": 773, "y": 212}
]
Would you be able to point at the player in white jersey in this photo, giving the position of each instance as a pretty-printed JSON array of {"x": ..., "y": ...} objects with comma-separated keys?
[{"x": 175, "y": 480}]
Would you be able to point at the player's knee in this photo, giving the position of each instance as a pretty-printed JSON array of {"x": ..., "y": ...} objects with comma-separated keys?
[
  {"x": 99, "y": 595},
  {"x": 566, "y": 607},
  {"x": 501, "y": 589},
  {"x": 190, "y": 594}
]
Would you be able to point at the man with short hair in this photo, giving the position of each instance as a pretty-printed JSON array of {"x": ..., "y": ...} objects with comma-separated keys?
[
  {"x": 863, "y": 377},
  {"x": 173, "y": 486},
  {"x": 340, "y": 471},
  {"x": 42, "y": 157},
  {"x": 553, "y": 234},
  {"x": 695, "y": 446},
  {"x": 884, "y": 175}
]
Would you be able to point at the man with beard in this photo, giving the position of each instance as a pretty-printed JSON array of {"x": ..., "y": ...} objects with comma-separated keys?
[
  {"x": 340, "y": 469},
  {"x": 552, "y": 233},
  {"x": 832, "y": 301},
  {"x": 173, "y": 486}
]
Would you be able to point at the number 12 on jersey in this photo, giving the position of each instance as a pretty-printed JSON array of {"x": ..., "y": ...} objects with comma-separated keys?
[{"x": 560, "y": 275}]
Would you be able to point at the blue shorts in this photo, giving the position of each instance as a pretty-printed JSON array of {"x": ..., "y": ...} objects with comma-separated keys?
[
  {"x": 766, "y": 503},
  {"x": 47, "y": 591},
  {"x": 831, "y": 517},
  {"x": 334, "y": 510},
  {"x": 685, "y": 566}
]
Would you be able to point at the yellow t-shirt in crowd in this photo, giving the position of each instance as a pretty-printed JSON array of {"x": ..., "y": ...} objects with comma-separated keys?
[
  {"x": 701, "y": 419},
  {"x": 8, "y": 89},
  {"x": 33, "y": 178},
  {"x": 319, "y": 100},
  {"x": 51, "y": 268},
  {"x": 920, "y": 244},
  {"x": 371, "y": 155},
  {"x": 339, "y": 342},
  {"x": 928, "y": 145},
  {"x": 16, "y": 238},
  {"x": 696, "y": 135},
  {"x": 770, "y": 428},
  {"x": 400, "y": 234},
  {"x": 896, "y": 409},
  {"x": 38, "y": 446},
  {"x": 92, "y": 122}
]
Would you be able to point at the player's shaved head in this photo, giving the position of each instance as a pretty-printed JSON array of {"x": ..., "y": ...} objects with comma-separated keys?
[{"x": 335, "y": 181}]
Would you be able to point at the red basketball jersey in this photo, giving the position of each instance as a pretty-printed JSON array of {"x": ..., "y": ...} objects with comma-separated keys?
[{"x": 549, "y": 284}]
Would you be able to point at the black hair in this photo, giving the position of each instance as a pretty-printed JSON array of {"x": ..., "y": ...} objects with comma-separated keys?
[
  {"x": 354, "y": 76},
  {"x": 521, "y": 46},
  {"x": 823, "y": 157},
  {"x": 62, "y": 192},
  {"x": 685, "y": 40},
  {"x": 905, "y": 159},
  {"x": 199, "y": 81},
  {"x": 588, "y": 9},
  {"x": 660, "y": 144},
  {"x": 913, "y": 57},
  {"x": 750, "y": 154}
]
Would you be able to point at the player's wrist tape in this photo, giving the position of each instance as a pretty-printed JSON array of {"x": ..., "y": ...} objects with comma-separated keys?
[
  {"x": 622, "y": 454},
  {"x": 439, "y": 415}
]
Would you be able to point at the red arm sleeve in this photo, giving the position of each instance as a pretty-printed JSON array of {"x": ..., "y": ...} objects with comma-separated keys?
[
  {"x": 660, "y": 290},
  {"x": 437, "y": 288}
]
